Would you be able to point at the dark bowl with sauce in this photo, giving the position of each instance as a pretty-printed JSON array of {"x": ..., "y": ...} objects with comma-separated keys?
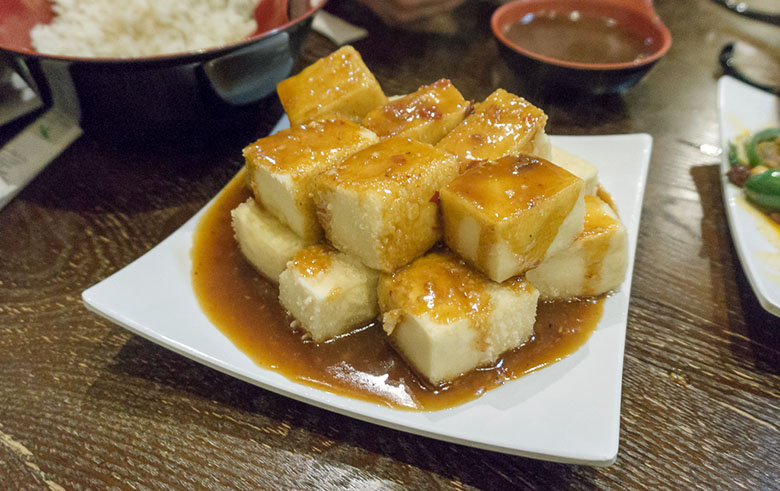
[
  {"x": 583, "y": 46},
  {"x": 162, "y": 98}
]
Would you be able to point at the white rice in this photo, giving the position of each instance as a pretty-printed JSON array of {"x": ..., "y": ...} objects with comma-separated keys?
[{"x": 134, "y": 28}]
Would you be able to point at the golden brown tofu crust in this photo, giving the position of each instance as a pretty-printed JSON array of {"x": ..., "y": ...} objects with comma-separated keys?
[
  {"x": 338, "y": 83},
  {"x": 300, "y": 150},
  {"x": 395, "y": 183},
  {"x": 497, "y": 193},
  {"x": 438, "y": 284},
  {"x": 508, "y": 186},
  {"x": 500, "y": 125},
  {"x": 425, "y": 115},
  {"x": 394, "y": 163},
  {"x": 443, "y": 287}
]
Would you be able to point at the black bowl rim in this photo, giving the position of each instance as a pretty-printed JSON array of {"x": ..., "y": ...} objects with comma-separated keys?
[{"x": 181, "y": 57}]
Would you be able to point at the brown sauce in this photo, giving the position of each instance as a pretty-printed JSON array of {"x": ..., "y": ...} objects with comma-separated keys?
[
  {"x": 363, "y": 365},
  {"x": 578, "y": 37}
]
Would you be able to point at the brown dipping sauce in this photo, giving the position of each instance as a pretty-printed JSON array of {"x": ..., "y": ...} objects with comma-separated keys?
[
  {"x": 578, "y": 37},
  {"x": 363, "y": 365}
]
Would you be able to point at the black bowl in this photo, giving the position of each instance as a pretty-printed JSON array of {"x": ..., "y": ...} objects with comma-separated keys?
[
  {"x": 164, "y": 96},
  {"x": 549, "y": 74}
]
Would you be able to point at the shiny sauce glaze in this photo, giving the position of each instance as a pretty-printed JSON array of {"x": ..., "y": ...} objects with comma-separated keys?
[
  {"x": 363, "y": 364},
  {"x": 504, "y": 189},
  {"x": 597, "y": 222},
  {"x": 578, "y": 37},
  {"x": 511, "y": 185},
  {"x": 327, "y": 79},
  {"x": 502, "y": 124},
  {"x": 427, "y": 105},
  {"x": 313, "y": 260},
  {"x": 299, "y": 151},
  {"x": 394, "y": 163}
]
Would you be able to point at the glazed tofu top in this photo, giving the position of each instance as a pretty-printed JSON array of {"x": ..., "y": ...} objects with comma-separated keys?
[
  {"x": 443, "y": 287},
  {"x": 501, "y": 189},
  {"x": 438, "y": 284},
  {"x": 389, "y": 165},
  {"x": 501, "y": 124},
  {"x": 301, "y": 150},
  {"x": 340, "y": 82},
  {"x": 427, "y": 105}
]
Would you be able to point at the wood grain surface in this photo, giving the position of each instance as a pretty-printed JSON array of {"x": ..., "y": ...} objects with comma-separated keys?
[{"x": 84, "y": 404}]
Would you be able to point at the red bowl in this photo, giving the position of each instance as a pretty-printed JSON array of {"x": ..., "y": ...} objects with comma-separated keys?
[
  {"x": 637, "y": 16},
  {"x": 18, "y": 17},
  {"x": 156, "y": 96}
]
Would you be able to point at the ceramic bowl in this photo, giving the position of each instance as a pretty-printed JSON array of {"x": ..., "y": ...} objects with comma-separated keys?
[
  {"x": 153, "y": 97},
  {"x": 638, "y": 16}
]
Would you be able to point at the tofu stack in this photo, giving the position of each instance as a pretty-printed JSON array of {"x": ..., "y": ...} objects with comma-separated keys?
[{"x": 448, "y": 220}]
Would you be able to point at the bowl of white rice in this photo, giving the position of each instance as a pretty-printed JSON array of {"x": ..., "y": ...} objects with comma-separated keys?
[{"x": 146, "y": 67}]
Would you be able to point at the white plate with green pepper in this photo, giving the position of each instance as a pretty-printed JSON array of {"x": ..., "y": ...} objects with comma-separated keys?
[{"x": 750, "y": 138}]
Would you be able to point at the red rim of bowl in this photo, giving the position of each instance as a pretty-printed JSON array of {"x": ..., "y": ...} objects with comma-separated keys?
[
  {"x": 497, "y": 26},
  {"x": 313, "y": 7}
]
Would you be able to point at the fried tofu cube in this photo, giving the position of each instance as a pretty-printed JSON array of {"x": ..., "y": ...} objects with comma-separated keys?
[
  {"x": 425, "y": 115},
  {"x": 594, "y": 264},
  {"x": 447, "y": 319},
  {"x": 502, "y": 124},
  {"x": 379, "y": 204},
  {"x": 266, "y": 242},
  {"x": 506, "y": 216},
  {"x": 579, "y": 167},
  {"x": 328, "y": 292},
  {"x": 281, "y": 167},
  {"x": 340, "y": 83},
  {"x": 542, "y": 146}
]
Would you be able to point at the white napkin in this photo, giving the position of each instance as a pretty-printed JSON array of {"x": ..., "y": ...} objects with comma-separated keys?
[{"x": 337, "y": 30}]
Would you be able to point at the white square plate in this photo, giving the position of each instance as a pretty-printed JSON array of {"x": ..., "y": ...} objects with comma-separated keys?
[
  {"x": 745, "y": 108},
  {"x": 567, "y": 412}
]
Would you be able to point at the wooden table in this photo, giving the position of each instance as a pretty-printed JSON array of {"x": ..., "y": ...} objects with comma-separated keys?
[{"x": 85, "y": 404}]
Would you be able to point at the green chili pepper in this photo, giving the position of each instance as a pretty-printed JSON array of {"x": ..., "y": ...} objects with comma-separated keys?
[
  {"x": 751, "y": 147},
  {"x": 764, "y": 189},
  {"x": 733, "y": 158}
]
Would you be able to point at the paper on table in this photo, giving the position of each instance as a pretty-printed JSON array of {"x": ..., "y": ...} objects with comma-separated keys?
[
  {"x": 30, "y": 151},
  {"x": 16, "y": 98},
  {"x": 336, "y": 29},
  {"x": 22, "y": 158}
]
